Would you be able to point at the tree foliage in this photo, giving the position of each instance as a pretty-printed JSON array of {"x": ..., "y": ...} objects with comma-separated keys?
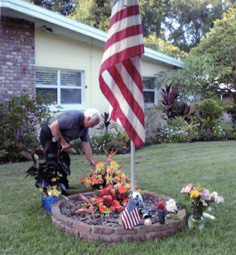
[
  {"x": 189, "y": 21},
  {"x": 153, "y": 13},
  {"x": 62, "y": 6},
  {"x": 220, "y": 46},
  {"x": 164, "y": 47},
  {"x": 209, "y": 65},
  {"x": 95, "y": 13},
  {"x": 180, "y": 22}
]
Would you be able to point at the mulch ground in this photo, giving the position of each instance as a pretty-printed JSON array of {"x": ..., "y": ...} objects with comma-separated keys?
[{"x": 70, "y": 210}]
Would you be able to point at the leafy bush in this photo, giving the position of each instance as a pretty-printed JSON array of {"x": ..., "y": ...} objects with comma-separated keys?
[
  {"x": 172, "y": 135},
  {"x": 209, "y": 112},
  {"x": 219, "y": 133},
  {"x": 20, "y": 121},
  {"x": 189, "y": 127},
  {"x": 232, "y": 112},
  {"x": 99, "y": 142},
  {"x": 117, "y": 140},
  {"x": 50, "y": 175}
]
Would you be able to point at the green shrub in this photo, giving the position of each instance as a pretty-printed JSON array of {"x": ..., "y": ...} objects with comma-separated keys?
[
  {"x": 232, "y": 112},
  {"x": 20, "y": 121},
  {"x": 209, "y": 112},
  {"x": 188, "y": 126},
  {"x": 219, "y": 133},
  {"x": 172, "y": 135},
  {"x": 116, "y": 140},
  {"x": 99, "y": 142}
]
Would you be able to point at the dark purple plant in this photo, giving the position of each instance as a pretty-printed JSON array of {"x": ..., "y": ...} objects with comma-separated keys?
[
  {"x": 106, "y": 123},
  {"x": 169, "y": 100}
]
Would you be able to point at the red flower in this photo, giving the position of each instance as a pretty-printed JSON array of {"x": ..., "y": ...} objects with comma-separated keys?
[
  {"x": 107, "y": 200},
  {"x": 122, "y": 196},
  {"x": 99, "y": 200},
  {"x": 160, "y": 205},
  {"x": 125, "y": 202},
  {"x": 115, "y": 204},
  {"x": 104, "y": 192},
  {"x": 112, "y": 208},
  {"x": 101, "y": 181},
  {"x": 109, "y": 159}
]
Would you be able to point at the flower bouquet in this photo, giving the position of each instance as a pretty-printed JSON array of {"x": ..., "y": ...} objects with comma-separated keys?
[
  {"x": 112, "y": 185},
  {"x": 201, "y": 200},
  {"x": 104, "y": 174},
  {"x": 111, "y": 198}
]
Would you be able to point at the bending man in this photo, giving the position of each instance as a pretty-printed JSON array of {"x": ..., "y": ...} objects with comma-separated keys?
[{"x": 70, "y": 125}]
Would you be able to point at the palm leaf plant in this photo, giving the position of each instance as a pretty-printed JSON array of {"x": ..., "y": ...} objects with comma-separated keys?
[{"x": 49, "y": 174}]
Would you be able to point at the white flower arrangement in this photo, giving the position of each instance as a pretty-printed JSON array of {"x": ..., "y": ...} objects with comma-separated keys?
[{"x": 171, "y": 206}]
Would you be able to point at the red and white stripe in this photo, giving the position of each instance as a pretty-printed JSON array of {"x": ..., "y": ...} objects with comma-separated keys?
[
  {"x": 120, "y": 73},
  {"x": 129, "y": 220}
]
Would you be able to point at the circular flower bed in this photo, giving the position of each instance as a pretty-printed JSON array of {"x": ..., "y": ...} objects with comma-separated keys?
[{"x": 106, "y": 228}]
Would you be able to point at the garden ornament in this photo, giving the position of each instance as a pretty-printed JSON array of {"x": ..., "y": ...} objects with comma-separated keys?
[{"x": 139, "y": 202}]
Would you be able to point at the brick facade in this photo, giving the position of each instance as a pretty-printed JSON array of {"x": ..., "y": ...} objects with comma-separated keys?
[{"x": 17, "y": 57}]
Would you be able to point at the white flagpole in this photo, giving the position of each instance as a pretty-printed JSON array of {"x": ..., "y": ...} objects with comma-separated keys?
[{"x": 132, "y": 166}]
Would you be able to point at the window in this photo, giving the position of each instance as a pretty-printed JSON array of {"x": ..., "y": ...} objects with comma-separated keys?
[
  {"x": 149, "y": 91},
  {"x": 65, "y": 86}
]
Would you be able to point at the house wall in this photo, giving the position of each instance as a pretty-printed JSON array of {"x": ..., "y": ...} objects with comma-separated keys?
[
  {"x": 59, "y": 52},
  {"x": 22, "y": 48},
  {"x": 17, "y": 56}
]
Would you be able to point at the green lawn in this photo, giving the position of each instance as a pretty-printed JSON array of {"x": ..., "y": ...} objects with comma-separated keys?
[{"x": 25, "y": 228}]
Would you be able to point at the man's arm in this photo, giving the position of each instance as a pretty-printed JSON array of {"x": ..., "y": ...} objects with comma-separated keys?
[
  {"x": 88, "y": 153},
  {"x": 56, "y": 132}
]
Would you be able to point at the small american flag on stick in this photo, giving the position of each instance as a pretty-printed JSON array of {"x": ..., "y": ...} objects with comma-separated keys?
[
  {"x": 120, "y": 73},
  {"x": 130, "y": 216}
]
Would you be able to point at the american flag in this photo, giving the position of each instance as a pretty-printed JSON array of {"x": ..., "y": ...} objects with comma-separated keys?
[
  {"x": 120, "y": 73},
  {"x": 130, "y": 216}
]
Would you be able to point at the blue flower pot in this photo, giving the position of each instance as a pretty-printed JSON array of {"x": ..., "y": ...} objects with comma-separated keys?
[{"x": 47, "y": 202}]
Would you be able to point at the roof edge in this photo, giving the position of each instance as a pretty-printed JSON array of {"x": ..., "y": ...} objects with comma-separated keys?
[{"x": 41, "y": 13}]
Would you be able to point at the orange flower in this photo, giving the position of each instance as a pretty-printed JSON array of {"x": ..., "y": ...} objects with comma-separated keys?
[
  {"x": 122, "y": 189},
  {"x": 92, "y": 199},
  {"x": 120, "y": 208},
  {"x": 125, "y": 201},
  {"x": 128, "y": 185},
  {"x": 102, "y": 207},
  {"x": 81, "y": 180},
  {"x": 120, "y": 166}
]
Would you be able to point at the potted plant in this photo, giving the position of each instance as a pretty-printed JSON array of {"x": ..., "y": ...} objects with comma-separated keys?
[{"x": 49, "y": 175}]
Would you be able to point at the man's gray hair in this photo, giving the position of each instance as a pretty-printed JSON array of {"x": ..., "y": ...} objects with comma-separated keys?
[{"x": 93, "y": 114}]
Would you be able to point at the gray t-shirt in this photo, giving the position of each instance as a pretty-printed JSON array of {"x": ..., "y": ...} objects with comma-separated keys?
[{"x": 71, "y": 125}]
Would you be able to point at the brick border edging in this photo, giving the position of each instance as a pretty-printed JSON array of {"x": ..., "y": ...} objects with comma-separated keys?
[{"x": 116, "y": 234}]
